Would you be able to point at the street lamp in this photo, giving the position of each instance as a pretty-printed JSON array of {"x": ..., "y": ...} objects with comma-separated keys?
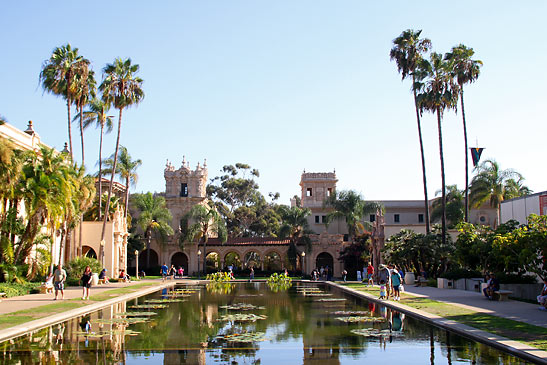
[
  {"x": 303, "y": 262},
  {"x": 137, "y": 261},
  {"x": 199, "y": 255}
]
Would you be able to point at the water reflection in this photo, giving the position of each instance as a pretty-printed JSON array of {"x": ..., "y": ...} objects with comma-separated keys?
[{"x": 297, "y": 328}]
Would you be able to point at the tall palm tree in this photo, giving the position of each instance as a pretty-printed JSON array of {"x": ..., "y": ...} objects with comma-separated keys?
[
  {"x": 437, "y": 93},
  {"x": 493, "y": 185},
  {"x": 58, "y": 77},
  {"x": 121, "y": 88},
  {"x": 454, "y": 206},
  {"x": 295, "y": 227},
  {"x": 349, "y": 206},
  {"x": 466, "y": 71},
  {"x": 407, "y": 52},
  {"x": 154, "y": 217},
  {"x": 97, "y": 114},
  {"x": 126, "y": 169},
  {"x": 86, "y": 87},
  {"x": 206, "y": 221}
]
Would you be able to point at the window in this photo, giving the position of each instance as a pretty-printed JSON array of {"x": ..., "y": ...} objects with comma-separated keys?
[
  {"x": 420, "y": 218},
  {"x": 396, "y": 218},
  {"x": 323, "y": 219},
  {"x": 329, "y": 191},
  {"x": 346, "y": 237},
  {"x": 316, "y": 219},
  {"x": 184, "y": 189},
  {"x": 309, "y": 192},
  {"x": 372, "y": 217},
  {"x": 482, "y": 219}
]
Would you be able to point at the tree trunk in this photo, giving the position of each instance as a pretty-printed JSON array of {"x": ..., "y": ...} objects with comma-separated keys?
[
  {"x": 466, "y": 159},
  {"x": 82, "y": 132},
  {"x": 101, "y": 172},
  {"x": 68, "y": 102},
  {"x": 424, "y": 178},
  {"x": 126, "y": 197},
  {"x": 204, "y": 255},
  {"x": 148, "y": 251},
  {"x": 443, "y": 183},
  {"x": 111, "y": 182}
]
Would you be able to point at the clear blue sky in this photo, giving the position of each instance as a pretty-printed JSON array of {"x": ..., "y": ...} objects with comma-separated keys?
[{"x": 289, "y": 85}]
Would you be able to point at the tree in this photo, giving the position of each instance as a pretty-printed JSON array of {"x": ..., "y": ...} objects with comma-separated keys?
[
  {"x": 121, "y": 88},
  {"x": 205, "y": 221},
  {"x": 407, "y": 52},
  {"x": 454, "y": 207},
  {"x": 436, "y": 93},
  {"x": 126, "y": 169},
  {"x": 58, "y": 77},
  {"x": 154, "y": 218},
  {"x": 465, "y": 70},
  {"x": 97, "y": 114},
  {"x": 493, "y": 185},
  {"x": 295, "y": 227},
  {"x": 348, "y": 205},
  {"x": 85, "y": 91}
]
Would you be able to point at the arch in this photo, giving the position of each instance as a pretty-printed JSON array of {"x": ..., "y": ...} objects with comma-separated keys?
[
  {"x": 232, "y": 259},
  {"x": 89, "y": 252},
  {"x": 213, "y": 261},
  {"x": 273, "y": 261},
  {"x": 252, "y": 259},
  {"x": 180, "y": 259},
  {"x": 324, "y": 259},
  {"x": 143, "y": 258}
]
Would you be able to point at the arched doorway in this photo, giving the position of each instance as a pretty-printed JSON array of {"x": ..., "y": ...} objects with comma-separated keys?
[
  {"x": 89, "y": 252},
  {"x": 143, "y": 259},
  {"x": 180, "y": 260},
  {"x": 324, "y": 260},
  {"x": 272, "y": 262},
  {"x": 213, "y": 262},
  {"x": 232, "y": 259},
  {"x": 252, "y": 259}
]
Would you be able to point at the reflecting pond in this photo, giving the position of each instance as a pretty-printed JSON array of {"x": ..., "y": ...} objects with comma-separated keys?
[{"x": 247, "y": 323}]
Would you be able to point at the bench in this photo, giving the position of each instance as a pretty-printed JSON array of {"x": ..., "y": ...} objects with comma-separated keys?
[
  {"x": 3, "y": 295},
  {"x": 102, "y": 281},
  {"x": 502, "y": 295},
  {"x": 46, "y": 289}
]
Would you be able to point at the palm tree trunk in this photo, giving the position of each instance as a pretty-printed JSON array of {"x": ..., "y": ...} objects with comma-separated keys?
[
  {"x": 68, "y": 102},
  {"x": 126, "y": 196},
  {"x": 111, "y": 182},
  {"x": 82, "y": 132},
  {"x": 148, "y": 251},
  {"x": 442, "y": 176},
  {"x": 101, "y": 173},
  {"x": 424, "y": 178},
  {"x": 205, "y": 255},
  {"x": 466, "y": 159}
]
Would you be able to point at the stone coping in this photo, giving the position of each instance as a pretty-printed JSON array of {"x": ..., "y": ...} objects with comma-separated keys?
[
  {"x": 31, "y": 326},
  {"x": 513, "y": 347}
]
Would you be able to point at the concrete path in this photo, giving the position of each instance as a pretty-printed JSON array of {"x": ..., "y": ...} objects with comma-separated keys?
[{"x": 511, "y": 309}]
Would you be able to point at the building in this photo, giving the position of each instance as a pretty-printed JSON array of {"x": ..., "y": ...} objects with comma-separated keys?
[{"x": 520, "y": 208}]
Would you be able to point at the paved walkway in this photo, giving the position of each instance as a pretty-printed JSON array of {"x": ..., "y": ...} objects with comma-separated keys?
[{"x": 511, "y": 309}]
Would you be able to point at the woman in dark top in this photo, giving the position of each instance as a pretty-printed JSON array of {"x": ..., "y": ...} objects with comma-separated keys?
[{"x": 86, "y": 282}]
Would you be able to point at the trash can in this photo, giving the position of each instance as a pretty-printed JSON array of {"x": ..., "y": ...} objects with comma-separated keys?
[{"x": 94, "y": 279}]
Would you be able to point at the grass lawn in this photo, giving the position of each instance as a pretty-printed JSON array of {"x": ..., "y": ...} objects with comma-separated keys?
[
  {"x": 27, "y": 315},
  {"x": 523, "y": 332}
]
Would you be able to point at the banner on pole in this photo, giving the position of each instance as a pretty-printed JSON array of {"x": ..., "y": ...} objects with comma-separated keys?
[{"x": 476, "y": 155}]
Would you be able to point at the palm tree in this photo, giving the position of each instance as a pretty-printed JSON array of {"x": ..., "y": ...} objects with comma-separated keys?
[
  {"x": 97, "y": 114},
  {"x": 493, "y": 185},
  {"x": 454, "y": 206},
  {"x": 407, "y": 52},
  {"x": 465, "y": 70},
  {"x": 58, "y": 77},
  {"x": 154, "y": 217},
  {"x": 295, "y": 227},
  {"x": 122, "y": 89},
  {"x": 85, "y": 91},
  {"x": 207, "y": 221},
  {"x": 126, "y": 170},
  {"x": 349, "y": 206},
  {"x": 437, "y": 93}
]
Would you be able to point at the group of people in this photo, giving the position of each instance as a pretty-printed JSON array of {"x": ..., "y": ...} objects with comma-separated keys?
[
  {"x": 492, "y": 285},
  {"x": 171, "y": 272},
  {"x": 322, "y": 273},
  {"x": 390, "y": 279}
]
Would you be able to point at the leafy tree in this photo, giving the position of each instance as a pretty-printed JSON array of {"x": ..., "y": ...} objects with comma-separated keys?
[
  {"x": 58, "y": 76},
  {"x": 408, "y": 52},
  {"x": 493, "y": 185},
  {"x": 465, "y": 70},
  {"x": 355, "y": 254},
  {"x": 454, "y": 207},
  {"x": 154, "y": 219},
  {"x": 122, "y": 89},
  {"x": 205, "y": 221},
  {"x": 295, "y": 227},
  {"x": 126, "y": 169},
  {"x": 436, "y": 93}
]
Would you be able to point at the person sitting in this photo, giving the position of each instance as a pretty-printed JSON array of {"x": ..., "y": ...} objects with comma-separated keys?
[
  {"x": 123, "y": 276},
  {"x": 493, "y": 286},
  {"x": 102, "y": 277},
  {"x": 542, "y": 297}
]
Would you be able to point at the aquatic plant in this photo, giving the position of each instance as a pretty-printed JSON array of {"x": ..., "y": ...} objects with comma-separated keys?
[
  {"x": 219, "y": 277},
  {"x": 136, "y": 314},
  {"x": 148, "y": 306},
  {"x": 356, "y": 319},
  {"x": 241, "y": 306},
  {"x": 241, "y": 317},
  {"x": 243, "y": 337},
  {"x": 373, "y": 332}
]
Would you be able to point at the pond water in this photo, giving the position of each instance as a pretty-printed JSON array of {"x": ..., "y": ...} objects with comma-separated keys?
[{"x": 248, "y": 323}]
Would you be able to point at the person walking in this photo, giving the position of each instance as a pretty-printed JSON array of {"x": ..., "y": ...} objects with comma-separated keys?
[
  {"x": 370, "y": 274},
  {"x": 164, "y": 271},
  {"x": 396, "y": 282},
  {"x": 59, "y": 278},
  {"x": 86, "y": 282}
]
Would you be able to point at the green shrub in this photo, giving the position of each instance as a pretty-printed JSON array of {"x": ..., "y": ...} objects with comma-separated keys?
[
  {"x": 456, "y": 274},
  {"x": 219, "y": 277},
  {"x": 75, "y": 268},
  {"x": 516, "y": 279},
  {"x": 16, "y": 289}
]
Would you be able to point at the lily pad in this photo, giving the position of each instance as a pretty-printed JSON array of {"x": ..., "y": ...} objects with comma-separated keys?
[
  {"x": 148, "y": 306},
  {"x": 136, "y": 314},
  {"x": 373, "y": 332},
  {"x": 123, "y": 321},
  {"x": 161, "y": 301},
  {"x": 350, "y": 313},
  {"x": 241, "y": 306},
  {"x": 356, "y": 319},
  {"x": 244, "y": 337},
  {"x": 331, "y": 300},
  {"x": 241, "y": 317}
]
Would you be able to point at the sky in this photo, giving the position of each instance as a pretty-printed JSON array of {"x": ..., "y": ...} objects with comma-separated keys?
[{"x": 288, "y": 86}]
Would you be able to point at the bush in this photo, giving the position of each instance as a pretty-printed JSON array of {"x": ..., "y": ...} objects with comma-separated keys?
[
  {"x": 76, "y": 267},
  {"x": 456, "y": 274},
  {"x": 516, "y": 279},
  {"x": 16, "y": 289}
]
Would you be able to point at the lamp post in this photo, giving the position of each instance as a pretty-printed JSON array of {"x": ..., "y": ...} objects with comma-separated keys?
[
  {"x": 303, "y": 262},
  {"x": 199, "y": 255},
  {"x": 137, "y": 261}
]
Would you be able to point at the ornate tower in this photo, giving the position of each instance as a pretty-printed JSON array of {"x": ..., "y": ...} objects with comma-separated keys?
[
  {"x": 316, "y": 187},
  {"x": 184, "y": 188}
]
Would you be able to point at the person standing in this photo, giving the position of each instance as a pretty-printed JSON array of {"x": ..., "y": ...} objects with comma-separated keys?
[
  {"x": 370, "y": 274},
  {"x": 252, "y": 274},
  {"x": 86, "y": 282},
  {"x": 59, "y": 278},
  {"x": 344, "y": 274},
  {"x": 385, "y": 276},
  {"x": 396, "y": 282},
  {"x": 164, "y": 271}
]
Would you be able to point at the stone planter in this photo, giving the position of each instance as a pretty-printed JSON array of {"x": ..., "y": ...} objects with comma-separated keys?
[
  {"x": 443, "y": 283},
  {"x": 409, "y": 278}
]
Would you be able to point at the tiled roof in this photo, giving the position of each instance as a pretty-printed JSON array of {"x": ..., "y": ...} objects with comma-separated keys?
[{"x": 249, "y": 241}]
